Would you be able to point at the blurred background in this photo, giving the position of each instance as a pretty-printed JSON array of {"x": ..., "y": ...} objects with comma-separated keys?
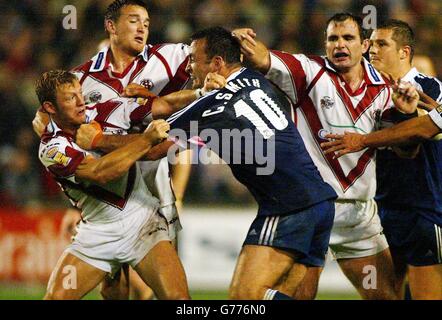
[{"x": 32, "y": 41}]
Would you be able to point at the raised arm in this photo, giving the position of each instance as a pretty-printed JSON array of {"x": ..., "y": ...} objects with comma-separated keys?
[{"x": 255, "y": 52}]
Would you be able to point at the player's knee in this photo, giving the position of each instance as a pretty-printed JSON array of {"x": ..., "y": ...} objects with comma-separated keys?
[
  {"x": 304, "y": 292},
  {"x": 114, "y": 293},
  {"x": 246, "y": 293},
  {"x": 146, "y": 294},
  {"x": 59, "y": 295},
  {"x": 176, "y": 294},
  {"x": 385, "y": 293}
]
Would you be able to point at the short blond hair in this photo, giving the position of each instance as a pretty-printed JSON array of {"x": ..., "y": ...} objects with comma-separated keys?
[{"x": 48, "y": 83}]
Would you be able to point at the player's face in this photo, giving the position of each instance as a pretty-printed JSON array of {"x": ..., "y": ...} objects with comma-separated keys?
[
  {"x": 384, "y": 53},
  {"x": 71, "y": 109},
  {"x": 132, "y": 29},
  {"x": 344, "y": 45},
  {"x": 199, "y": 64}
]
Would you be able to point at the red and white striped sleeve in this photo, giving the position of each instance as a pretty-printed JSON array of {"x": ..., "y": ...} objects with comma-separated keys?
[
  {"x": 291, "y": 73},
  {"x": 61, "y": 157}
]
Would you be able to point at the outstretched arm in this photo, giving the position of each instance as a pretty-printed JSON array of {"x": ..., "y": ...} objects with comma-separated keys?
[
  {"x": 414, "y": 130},
  {"x": 165, "y": 106}
]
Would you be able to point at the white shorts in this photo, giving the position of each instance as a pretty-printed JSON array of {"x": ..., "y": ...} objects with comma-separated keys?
[
  {"x": 357, "y": 230},
  {"x": 108, "y": 245},
  {"x": 170, "y": 212}
]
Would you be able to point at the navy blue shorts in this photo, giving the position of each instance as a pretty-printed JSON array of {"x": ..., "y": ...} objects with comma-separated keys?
[
  {"x": 304, "y": 233},
  {"x": 412, "y": 236}
]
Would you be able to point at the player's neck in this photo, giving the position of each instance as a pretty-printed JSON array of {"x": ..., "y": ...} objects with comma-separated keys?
[
  {"x": 354, "y": 76},
  {"x": 400, "y": 71},
  {"x": 120, "y": 59},
  {"x": 66, "y": 127},
  {"x": 228, "y": 71}
]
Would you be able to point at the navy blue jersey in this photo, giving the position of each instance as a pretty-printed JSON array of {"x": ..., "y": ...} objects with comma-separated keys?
[
  {"x": 245, "y": 124},
  {"x": 414, "y": 182}
]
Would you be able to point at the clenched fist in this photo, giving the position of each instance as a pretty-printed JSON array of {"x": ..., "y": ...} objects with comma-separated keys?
[
  {"x": 138, "y": 91},
  {"x": 157, "y": 131},
  {"x": 214, "y": 81},
  {"x": 88, "y": 135},
  {"x": 40, "y": 122}
]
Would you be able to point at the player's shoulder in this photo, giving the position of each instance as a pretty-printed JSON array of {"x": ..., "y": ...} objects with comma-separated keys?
[
  {"x": 169, "y": 48},
  {"x": 53, "y": 147},
  {"x": 82, "y": 68},
  {"x": 429, "y": 85}
]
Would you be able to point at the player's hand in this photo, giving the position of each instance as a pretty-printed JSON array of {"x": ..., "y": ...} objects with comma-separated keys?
[
  {"x": 340, "y": 144},
  {"x": 214, "y": 81},
  {"x": 69, "y": 222},
  {"x": 157, "y": 131},
  {"x": 40, "y": 122},
  {"x": 89, "y": 135},
  {"x": 136, "y": 90},
  {"x": 405, "y": 97},
  {"x": 246, "y": 38}
]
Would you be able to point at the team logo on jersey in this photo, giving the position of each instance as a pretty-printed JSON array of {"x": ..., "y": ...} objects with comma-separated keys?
[
  {"x": 147, "y": 83},
  {"x": 327, "y": 102},
  {"x": 52, "y": 152},
  {"x": 93, "y": 97},
  {"x": 322, "y": 133},
  {"x": 58, "y": 157}
]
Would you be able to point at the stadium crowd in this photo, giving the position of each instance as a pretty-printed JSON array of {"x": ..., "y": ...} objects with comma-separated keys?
[{"x": 33, "y": 40}]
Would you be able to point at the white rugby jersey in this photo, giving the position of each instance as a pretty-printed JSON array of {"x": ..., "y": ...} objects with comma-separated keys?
[
  {"x": 61, "y": 156},
  {"x": 325, "y": 104},
  {"x": 159, "y": 68}
]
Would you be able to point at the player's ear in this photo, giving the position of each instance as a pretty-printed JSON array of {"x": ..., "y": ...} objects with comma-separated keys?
[
  {"x": 218, "y": 63},
  {"x": 109, "y": 26},
  {"x": 365, "y": 45},
  {"x": 405, "y": 52},
  {"x": 49, "y": 107}
]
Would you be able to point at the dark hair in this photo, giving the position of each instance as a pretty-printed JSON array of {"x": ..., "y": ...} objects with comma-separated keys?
[
  {"x": 341, "y": 17},
  {"x": 403, "y": 35},
  {"x": 219, "y": 42},
  {"x": 113, "y": 11},
  {"x": 46, "y": 86}
]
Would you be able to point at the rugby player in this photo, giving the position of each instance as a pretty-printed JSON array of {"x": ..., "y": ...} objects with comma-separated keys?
[
  {"x": 408, "y": 193},
  {"x": 161, "y": 69},
  {"x": 296, "y": 210},
  {"x": 341, "y": 91},
  {"x": 120, "y": 218}
]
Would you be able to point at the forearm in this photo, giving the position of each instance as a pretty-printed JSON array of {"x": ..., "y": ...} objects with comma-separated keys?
[
  {"x": 410, "y": 131},
  {"x": 109, "y": 143},
  {"x": 159, "y": 151},
  {"x": 181, "y": 173},
  {"x": 116, "y": 163},
  {"x": 179, "y": 99}
]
